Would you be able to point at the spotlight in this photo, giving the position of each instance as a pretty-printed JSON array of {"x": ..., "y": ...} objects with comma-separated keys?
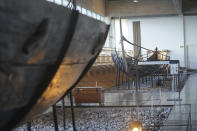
[
  {"x": 135, "y": 126},
  {"x": 135, "y": 129}
]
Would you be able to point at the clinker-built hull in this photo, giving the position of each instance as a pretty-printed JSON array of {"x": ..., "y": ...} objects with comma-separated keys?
[{"x": 44, "y": 51}]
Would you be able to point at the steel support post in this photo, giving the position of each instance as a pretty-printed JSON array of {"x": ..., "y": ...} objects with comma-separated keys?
[
  {"x": 72, "y": 111},
  {"x": 55, "y": 118},
  {"x": 63, "y": 114},
  {"x": 28, "y": 126}
]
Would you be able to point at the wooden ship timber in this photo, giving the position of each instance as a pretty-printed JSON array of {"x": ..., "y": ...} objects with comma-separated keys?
[
  {"x": 108, "y": 68},
  {"x": 104, "y": 72},
  {"x": 45, "y": 49},
  {"x": 134, "y": 70}
]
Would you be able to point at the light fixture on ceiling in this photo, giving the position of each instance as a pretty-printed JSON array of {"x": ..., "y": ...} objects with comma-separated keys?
[{"x": 135, "y": 1}]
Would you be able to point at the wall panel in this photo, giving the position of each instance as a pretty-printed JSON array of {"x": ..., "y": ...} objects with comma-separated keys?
[{"x": 116, "y": 8}]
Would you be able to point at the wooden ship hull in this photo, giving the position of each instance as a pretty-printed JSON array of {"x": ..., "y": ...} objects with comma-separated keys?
[
  {"x": 134, "y": 70},
  {"x": 101, "y": 76},
  {"x": 104, "y": 72},
  {"x": 45, "y": 49}
]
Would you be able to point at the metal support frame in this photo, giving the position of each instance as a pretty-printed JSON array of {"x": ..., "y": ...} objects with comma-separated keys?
[
  {"x": 152, "y": 81},
  {"x": 185, "y": 44},
  {"x": 122, "y": 78},
  {"x": 63, "y": 114},
  {"x": 72, "y": 111},
  {"x": 179, "y": 85},
  {"x": 120, "y": 106},
  {"x": 178, "y": 6},
  {"x": 122, "y": 46},
  {"x": 55, "y": 118},
  {"x": 118, "y": 78},
  {"x": 190, "y": 118},
  {"x": 189, "y": 126},
  {"x": 28, "y": 126},
  {"x": 74, "y": 4},
  {"x": 137, "y": 78}
]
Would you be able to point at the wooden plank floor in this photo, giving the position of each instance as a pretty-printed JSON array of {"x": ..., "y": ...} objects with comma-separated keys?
[{"x": 100, "y": 76}]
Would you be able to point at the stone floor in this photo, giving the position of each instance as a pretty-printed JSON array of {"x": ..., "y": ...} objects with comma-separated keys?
[
  {"x": 180, "y": 114},
  {"x": 179, "y": 117},
  {"x": 103, "y": 119}
]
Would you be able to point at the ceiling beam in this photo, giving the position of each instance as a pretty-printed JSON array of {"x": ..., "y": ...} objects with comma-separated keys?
[
  {"x": 178, "y": 6},
  {"x": 116, "y": 8}
]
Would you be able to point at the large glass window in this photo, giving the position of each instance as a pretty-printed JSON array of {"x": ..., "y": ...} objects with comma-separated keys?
[
  {"x": 59, "y": 2},
  {"x": 65, "y": 3},
  {"x": 89, "y": 13},
  {"x": 79, "y": 8},
  {"x": 84, "y": 11}
]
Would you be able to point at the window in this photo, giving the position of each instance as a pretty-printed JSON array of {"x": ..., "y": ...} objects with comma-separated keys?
[
  {"x": 65, "y": 3},
  {"x": 83, "y": 11},
  {"x": 59, "y": 2},
  {"x": 79, "y": 8},
  {"x": 94, "y": 15},
  {"x": 89, "y": 13}
]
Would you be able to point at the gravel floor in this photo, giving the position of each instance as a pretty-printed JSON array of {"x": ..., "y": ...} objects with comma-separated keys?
[{"x": 103, "y": 119}]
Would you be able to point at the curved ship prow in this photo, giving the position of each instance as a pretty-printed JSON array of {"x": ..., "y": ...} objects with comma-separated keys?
[{"x": 44, "y": 51}]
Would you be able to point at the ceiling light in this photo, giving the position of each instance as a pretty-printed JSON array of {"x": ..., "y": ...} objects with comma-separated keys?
[{"x": 135, "y": 1}]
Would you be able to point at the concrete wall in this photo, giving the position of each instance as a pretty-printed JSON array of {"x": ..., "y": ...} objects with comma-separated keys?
[
  {"x": 191, "y": 40},
  {"x": 164, "y": 33},
  {"x": 161, "y": 32}
]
